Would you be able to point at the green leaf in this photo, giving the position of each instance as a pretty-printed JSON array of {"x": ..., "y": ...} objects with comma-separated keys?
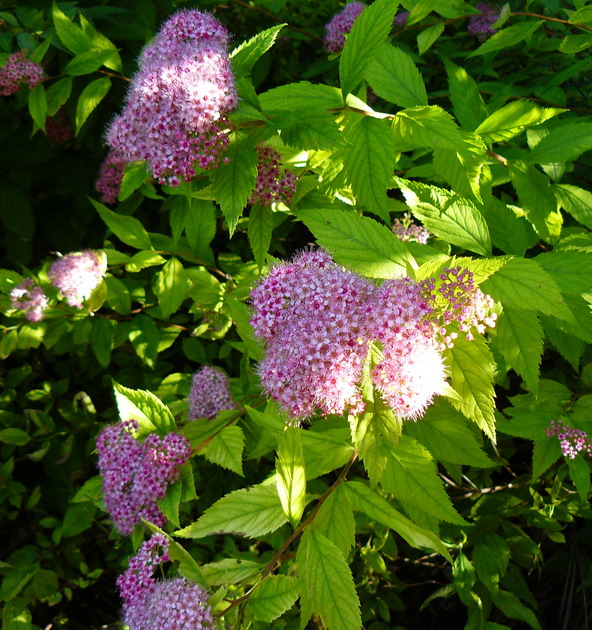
[
  {"x": 571, "y": 270},
  {"x": 274, "y": 596},
  {"x": 507, "y": 37},
  {"x": 71, "y": 35},
  {"x": 444, "y": 432},
  {"x": 411, "y": 475},
  {"x": 428, "y": 36},
  {"x": 243, "y": 57},
  {"x": 229, "y": 571},
  {"x": 325, "y": 449},
  {"x": 171, "y": 286},
  {"x": 58, "y": 94},
  {"x": 490, "y": 558},
  {"x": 169, "y": 504},
  {"x": 447, "y": 215},
  {"x": 200, "y": 431},
  {"x": 118, "y": 296},
  {"x": 149, "y": 411},
  {"x": 301, "y": 96},
  {"x": 326, "y": 584},
  {"x": 142, "y": 260},
  {"x": 226, "y": 449},
  {"x": 127, "y": 229},
  {"x": 91, "y": 491},
  {"x": 582, "y": 15},
  {"x": 563, "y": 143},
  {"x": 14, "y": 436},
  {"x": 335, "y": 520},
  {"x": 430, "y": 127},
  {"x": 359, "y": 243},
  {"x": 511, "y": 233},
  {"x": 471, "y": 375},
  {"x": 143, "y": 333},
  {"x": 90, "y": 97},
  {"x": 251, "y": 512},
  {"x": 463, "y": 573},
  {"x": 367, "y": 34},
  {"x": 291, "y": 476},
  {"x": 519, "y": 339},
  {"x": 200, "y": 225},
  {"x": 307, "y": 128},
  {"x": 87, "y": 62},
  {"x": 101, "y": 339},
  {"x": 576, "y": 201},
  {"x": 240, "y": 318},
  {"x": 369, "y": 161},
  {"x": 469, "y": 108},
  {"x": 134, "y": 175},
  {"x": 380, "y": 510},
  {"x": 38, "y": 105},
  {"x": 513, "y": 608},
  {"x": 579, "y": 471},
  {"x": 233, "y": 183},
  {"x": 260, "y": 229},
  {"x": 523, "y": 283},
  {"x": 545, "y": 453},
  {"x": 395, "y": 78}
]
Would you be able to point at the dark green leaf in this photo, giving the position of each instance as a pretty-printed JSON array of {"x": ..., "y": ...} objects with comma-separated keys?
[
  {"x": 507, "y": 37},
  {"x": 134, "y": 175},
  {"x": 127, "y": 229},
  {"x": 143, "y": 333},
  {"x": 260, "y": 228},
  {"x": 171, "y": 286},
  {"x": 90, "y": 97},
  {"x": 243, "y": 57},
  {"x": 274, "y": 596},
  {"x": 38, "y": 105}
]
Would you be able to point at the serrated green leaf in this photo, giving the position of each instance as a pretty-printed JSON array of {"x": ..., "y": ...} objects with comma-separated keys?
[
  {"x": 335, "y": 520},
  {"x": 134, "y": 175},
  {"x": 200, "y": 225},
  {"x": 411, "y": 475},
  {"x": 118, "y": 295},
  {"x": 38, "y": 105},
  {"x": 573, "y": 44},
  {"x": 291, "y": 476},
  {"x": 359, "y": 243},
  {"x": 274, "y": 596},
  {"x": 471, "y": 375},
  {"x": 90, "y": 97},
  {"x": 233, "y": 183},
  {"x": 91, "y": 491},
  {"x": 463, "y": 573},
  {"x": 230, "y": 571},
  {"x": 243, "y": 57},
  {"x": 251, "y": 512},
  {"x": 169, "y": 504},
  {"x": 171, "y": 286},
  {"x": 325, "y": 450},
  {"x": 428, "y": 36},
  {"x": 512, "y": 119},
  {"x": 142, "y": 260},
  {"x": 144, "y": 407},
  {"x": 571, "y": 270},
  {"x": 87, "y": 62},
  {"x": 511, "y": 233},
  {"x": 259, "y": 232},
  {"x": 507, "y": 37},
  {"x": 71, "y": 35},
  {"x": 582, "y": 15},
  {"x": 301, "y": 95},
  {"x": 519, "y": 339},
  {"x": 101, "y": 339},
  {"x": 127, "y": 229},
  {"x": 395, "y": 78},
  {"x": 570, "y": 347},
  {"x": 513, "y": 608},
  {"x": 307, "y": 128},
  {"x": 545, "y": 453},
  {"x": 12, "y": 435},
  {"x": 469, "y": 108},
  {"x": 576, "y": 201},
  {"x": 58, "y": 94},
  {"x": 579, "y": 471},
  {"x": 563, "y": 143},
  {"x": 523, "y": 283},
  {"x": 367, "y": 34},
  {"x": 143, "y": 333},
  {"x": 240, "y": 318},
  {"x": 326, "y": 584},
  {"x": 202, "y": 429},
  {"x": 490, "y": 558},
  {"x": 226, "y": 449}
]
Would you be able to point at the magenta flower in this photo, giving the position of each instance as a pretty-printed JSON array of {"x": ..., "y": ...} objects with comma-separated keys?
[
  {"x": 110, "y": 175},
  {"x": 210, "y": 393},
  {"x": 481, "y": 24},
  {"x": 29, "y": 298},
  {"x": 273, "y": 184},
  {"x": 58, "y": 128},
  {"x": 406, "y": 230},
  {"x": 19, "y": 71},
  {"x": 400, "y": 19},
  {"x": 76, "y": 275},
  {"x": 176, "y": 110},
  {"x": 340, "y": 25},
  {"x": 572, "y": 441}
]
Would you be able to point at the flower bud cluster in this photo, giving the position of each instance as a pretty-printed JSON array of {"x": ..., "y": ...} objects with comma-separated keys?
[
  {"x": 76, "y": 275},
  {"x": 176, "y": 111},
  {"x": 572, "y": 441},
  {"x": 30, "y": 298},
  {"x": 136, "y": 474},
  {"x": 58, "y": 128},
  {"x": 19, "y": 71},
  {"x": 272, "y": 184},
  {"x": 110, "y": 175},
  {"x": 481, "y": 24},
  {"x": 150, "y": 604},
  {"x": 406, "y": 230},
  {"x": 210, "y": 393},
  {"x": 400, "y": 19},
  {"x": 340, "y": 25}
]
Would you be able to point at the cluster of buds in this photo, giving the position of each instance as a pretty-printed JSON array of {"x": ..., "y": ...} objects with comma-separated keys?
[
  {"x": 481, "y": 24},
  {"x": 210, "y": 393},
  {"x": 406, "y": 230},
  {"x": 29, "y": 298},
  {"x": 58, "y": 128},
  {"x": 340, "y": 25},
  {"x": 318, "y": 320},
  {"x": 400, "y": 19},
  {"x": 76, "y": 275},
  {"x": 150, "y": 604},
  {"x": 273, "y": 184},
  {"x": 572, "y": 441},
  {"x": 19, "y": 70},
  {"x": 136, "y": 474},
  {"x": 110, "y": 175},
  {"x": 175, "y": 116}
]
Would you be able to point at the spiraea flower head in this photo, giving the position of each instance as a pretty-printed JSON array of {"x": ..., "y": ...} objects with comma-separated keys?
[
  {"x": 110, "y": 175},
  {"x": 481, "y": 24},
  {"x": 406, "y": 230},
  {"x": 273, "y": 184},
  {"x": 135, "y": 474},
  {"x": 210, "y": 393},
  {"x": 76, "y": 275},
  {"x": 401, "y": 18},
  {"x": 150, "y": 604},
  {"x": 29, "y": 298},
  {"x": 19, "y": 70},
  {"x": 175, "y": 117},
  {"x": 340, "y": 25},
  {"x": 572, "y": 441},
  {"x": 58, "y": 128}
]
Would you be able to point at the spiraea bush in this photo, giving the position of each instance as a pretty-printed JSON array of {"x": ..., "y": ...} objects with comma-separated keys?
[{"x": 296, "y": 312}]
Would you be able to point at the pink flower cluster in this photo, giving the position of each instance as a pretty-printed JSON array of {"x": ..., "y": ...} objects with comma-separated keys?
[
  {"x": 58, "y": 128},
  {"x": 110, "y": 175},
  {"x": 406, "y": 230},
  {"x": 151, "y": 604},
  {"x": 272, "y": 184},
  {"x": 136, "y": 474},
  {"x": 176, "y": 111},
  {"x": 210, "y": 393},
  {"x": 400, "y": 19},
  {"x": 572, "y": 441},
  {"x": 76, "y": 275},
  {"x": 340, "y": 25},
  {"x": 30, "y": 298},
  {"x": 481, "y": 25},
  {"x": 317, "y": 321},
  {"x": 19, "y": 71}
]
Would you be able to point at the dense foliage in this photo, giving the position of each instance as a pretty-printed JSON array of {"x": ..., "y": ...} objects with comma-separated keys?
[{"x": 300, "y": 314}]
